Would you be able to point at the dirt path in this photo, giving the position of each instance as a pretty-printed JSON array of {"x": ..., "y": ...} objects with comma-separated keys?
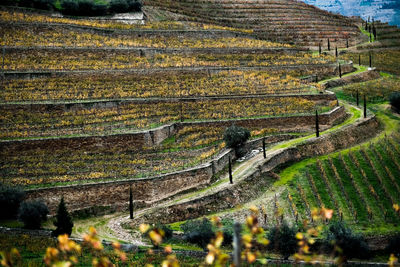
[{"x": 111, "y": 228}]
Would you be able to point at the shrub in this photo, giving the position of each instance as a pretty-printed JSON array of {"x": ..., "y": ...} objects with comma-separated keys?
[
  {"x": 83, "y": 8},
  {"x": 395, "y": 100},
  {"x": 63, "y": 222},
  {"x": 283, "y": 239},
  {"x": 69, "y": 7},
  {"x": 353, "y": 245},
  {"x": 134, "y": 5},
  {"x": 33, "y": 213},
  {"x": 43, "y": 4},
  {"x": 227, "y": 229},
  {"x": 198, "y": 232},
  {"x": 10, "y": 200},
  {"x": 235, "y": 137},
  {"x": 394, "y": 246},
  {"x": 166, "y": 229},
  {"x": 118, "y": 6}
]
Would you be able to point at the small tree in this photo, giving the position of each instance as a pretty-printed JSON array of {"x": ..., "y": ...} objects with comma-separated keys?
[
  {"x": 10, "y": 200},
  {"x": 63, "y": 222},
  {"x": 33, "y": 214},
  {"x": 283, "y": 239},
  {"x": 235, "y": 137}
]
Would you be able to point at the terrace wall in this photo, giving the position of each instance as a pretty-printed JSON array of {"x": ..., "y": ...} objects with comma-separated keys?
[{"x": 115, "y": 194}]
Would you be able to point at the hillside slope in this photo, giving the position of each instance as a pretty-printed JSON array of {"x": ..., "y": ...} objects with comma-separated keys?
[{"x": 279, "y": 20}]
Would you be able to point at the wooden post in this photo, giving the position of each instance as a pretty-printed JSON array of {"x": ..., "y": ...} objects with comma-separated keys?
[
  {"x": 319, "y": 48},
  {"x": 264, "y": 153},
  {"x": 365, "y": 106},
  {"x": 182, "y": 112},
  {"x": 130, "y": 203},
  {"x": 237, "y": 244},
  {"x": 340, "y": 71},
  {"x": 336, "y": 52},
  {"x": 358, "y": 98},
  {"x": 316, "y": 123},
  {"x": 347, "y": 42},
  {"x": 370, "y": 59},
  {"x": 230, "y": 170},
  {"x": 4, "y": 55},
  {"x": 329, "y": 45},
  {"x": 359, "y": 59},
  {"x": 316, "y": 78}
]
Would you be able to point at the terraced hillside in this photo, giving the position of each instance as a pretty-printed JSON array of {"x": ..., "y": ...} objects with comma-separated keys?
[
  {"x": 283, "y": 21},
  {"x": 92, "y": 110},
  {"x": 111, "y": 102}
]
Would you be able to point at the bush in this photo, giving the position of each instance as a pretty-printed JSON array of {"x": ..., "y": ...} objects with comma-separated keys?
[
  {"x": 118, "y": 6},
  {"x": 394, "y": 246},
  {"x": 353, "y": 245},
  {"x": 33, "y": 214},
  {"x": 283, "y": 239},
  {"x": 235, "y": 137},
  {"x": 395, "y": 100},
  {"x": 43, "y": 4},
  {"x": 134, "y": 5},
  {"x": 83, "y": 8},
  {"x": 10, "y": 200},
  {"x": 227, "y": 229},
  {"x": 166, "y": 229},
  {"x": 198, "y": 232},
  {"x": 70, "y": 7},
  {"x": 63, "y": 222}
]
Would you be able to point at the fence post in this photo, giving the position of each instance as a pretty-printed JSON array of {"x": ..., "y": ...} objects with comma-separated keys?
[{"x": 237, "y": 244}]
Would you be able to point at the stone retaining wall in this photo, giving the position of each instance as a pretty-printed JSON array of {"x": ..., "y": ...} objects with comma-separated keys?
[
  {"x": 155, "y": 136},
  {"x": 319, "y": 99},
  {"x": 323, "y": 71}
]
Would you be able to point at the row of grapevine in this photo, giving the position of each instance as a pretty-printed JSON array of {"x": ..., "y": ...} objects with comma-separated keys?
[
  {"x": 323, "y": 174},
  {"x": 356, "y": 187},
  {"x": 63, "y": 60},
  {"x": 164, "y": 84}
]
